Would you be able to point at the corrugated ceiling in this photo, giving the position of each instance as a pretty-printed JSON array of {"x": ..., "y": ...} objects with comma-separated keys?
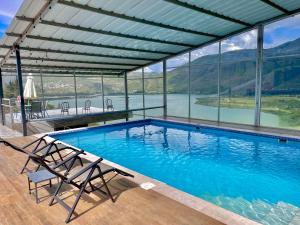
[{"x": 116, "y": 36}]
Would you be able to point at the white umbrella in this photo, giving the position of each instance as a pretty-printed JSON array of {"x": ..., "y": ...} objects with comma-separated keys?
[{"x": 29, "y": 90}]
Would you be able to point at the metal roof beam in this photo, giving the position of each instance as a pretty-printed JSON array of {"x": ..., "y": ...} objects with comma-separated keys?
[
  {"x": 133, "y": 19},
  {"x": 110, "y": 33},
  {"x": 59, "y": 72},
  {"x": 76, "y": 61},
  {"x": 98, "y": 69},
  {"x": 46, "y": 50},
  {"x": 90, "y": 44},
  {"x": 208, "y": 12},
  {"x": 276, "y": 6}
]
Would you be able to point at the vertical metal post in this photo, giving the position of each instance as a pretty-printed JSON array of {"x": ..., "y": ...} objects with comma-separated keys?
[
  {"x": 102, "y": 92},
  {"x": 165, "y": 89},
  {"x": 219, "y": 76},
  {"x": 1, "y": 97},
  {"x": 21, "y": 92},
  {"x": 42, "y": 90},
  {"x": 189, "y": 86},
  {"x": 126, "y": 94},
  {"x": 259, "y": 66},
  {"x": 75, "y": 88},
  {"x": 143, "y": 90}
]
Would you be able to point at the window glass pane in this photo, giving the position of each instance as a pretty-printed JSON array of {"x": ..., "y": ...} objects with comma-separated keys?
[
  {"x": 135, "y": 89},
  {"x": 114, "y": 92},
  {"x": 237, "y": 79},
  {"x": 154, "y": 85},
  {"x": 89, "y": 94},
  {"x": 281, "y": 72},
  {"x": 59, "y": 91},
  {"x": 177, "y": 86},
  {"x": 204, "y": 82}
]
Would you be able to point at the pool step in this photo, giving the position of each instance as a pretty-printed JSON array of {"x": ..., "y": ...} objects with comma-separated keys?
[
  {"x": 296, "y": 219},
  {"x": 281, "y": 214},
  {"x": 267, "y": 214}
]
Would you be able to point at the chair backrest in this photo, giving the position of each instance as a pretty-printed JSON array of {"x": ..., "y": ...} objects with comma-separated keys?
[
  {"x": 87, "y": 104},
  {"x": 108, "y": 102},
  {"x": 65, "y": 105},
  {"x": 39, "y": 160},
  {"x": 36, "y": 106}
]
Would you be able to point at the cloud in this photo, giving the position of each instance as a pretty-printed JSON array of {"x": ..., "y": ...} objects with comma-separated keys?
[
  {"x": 243, "y": 41},
  {"x": 147, "y": 70}
]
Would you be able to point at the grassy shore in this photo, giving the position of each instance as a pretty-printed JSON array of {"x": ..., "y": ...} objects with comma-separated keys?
[{"x": 287, "y": 108}]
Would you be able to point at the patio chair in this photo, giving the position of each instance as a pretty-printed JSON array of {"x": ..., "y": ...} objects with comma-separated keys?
[
  {"x": 87, "y": 106},
  {"x": 81, "y": 179},
  {"x": 36, "y": 110},
  {"x": 109, "y": 105},
  {"x": 65, "y": 108}
]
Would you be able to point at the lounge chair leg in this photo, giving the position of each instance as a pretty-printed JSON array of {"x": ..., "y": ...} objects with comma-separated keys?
[
  {"x": 79, "y": 195},
  {"x": 107, "y": 189},
  {"x": 29, "y": 188},
  {"x": 36, "y": 194},
  {"x": 24, "y": 167},
  {"x": 56, "y": 192}
]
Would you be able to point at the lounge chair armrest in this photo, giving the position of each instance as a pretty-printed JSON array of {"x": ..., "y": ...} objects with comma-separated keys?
[
  {"x": 66, "y": 160},
  {"x": 48, "y": 145},
  {"x": 90, "y": 166},
  {"x": 37, "y": 140}
]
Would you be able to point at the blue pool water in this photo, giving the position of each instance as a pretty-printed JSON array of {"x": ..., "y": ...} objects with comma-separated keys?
[{"x": 254, "y": 176}]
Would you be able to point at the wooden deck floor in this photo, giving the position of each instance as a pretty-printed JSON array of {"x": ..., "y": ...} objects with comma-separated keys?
[{"x": 134, "y": 205}]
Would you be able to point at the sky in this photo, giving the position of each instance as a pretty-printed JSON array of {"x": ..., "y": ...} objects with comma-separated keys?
[{"x": 8, "y": 9}]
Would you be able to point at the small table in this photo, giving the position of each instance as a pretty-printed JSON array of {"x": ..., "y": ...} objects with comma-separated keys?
[{"x": 38, "y": 177}]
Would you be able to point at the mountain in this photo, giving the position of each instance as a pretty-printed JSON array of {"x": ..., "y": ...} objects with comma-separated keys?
[{"x": 238, "y": 70}]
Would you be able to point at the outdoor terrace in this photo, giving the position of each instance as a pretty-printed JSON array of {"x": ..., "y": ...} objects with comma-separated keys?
[{"x": 134, "y": 205}]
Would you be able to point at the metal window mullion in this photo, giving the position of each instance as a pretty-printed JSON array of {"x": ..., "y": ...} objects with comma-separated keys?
[
  {"x": 21, "y": 92},
  {"x": 189, "y": 86},
  {"x": 102, "y": 90},
  {"x": 42, "y": 90},
  {"x": 165, "y": 89},
  {"x": 126, "y": 94},
  {"x": 75, "y": 89},
  {"x": 259, "y": 65},
  {"x": 219, "y": 77},
  {"x": 143, "y": 90}
]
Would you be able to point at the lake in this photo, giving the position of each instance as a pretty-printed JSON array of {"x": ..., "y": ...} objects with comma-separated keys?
[{"x": 178, "y": 106}]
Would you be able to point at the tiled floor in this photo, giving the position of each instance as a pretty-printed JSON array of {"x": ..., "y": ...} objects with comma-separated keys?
[{"x": 134, "y": 205}]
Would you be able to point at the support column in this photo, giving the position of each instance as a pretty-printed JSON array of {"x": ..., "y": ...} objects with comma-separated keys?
[
  {"x": 165, "y": 88},
  {"x": 75, "y": 88},
  {"x": 189, "y": 86},
  {"x": 21, "y": 91},
  {"x": 259, "y": 66},
  {"x": 143, "y": 90},
  {"x": 126, "y": 94},
  {"x": 1, "y": 97},
  {"x": 43, "y": 95},
  {"x": 102, "y": 92},
  {"x": 219, "y": 75}
]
